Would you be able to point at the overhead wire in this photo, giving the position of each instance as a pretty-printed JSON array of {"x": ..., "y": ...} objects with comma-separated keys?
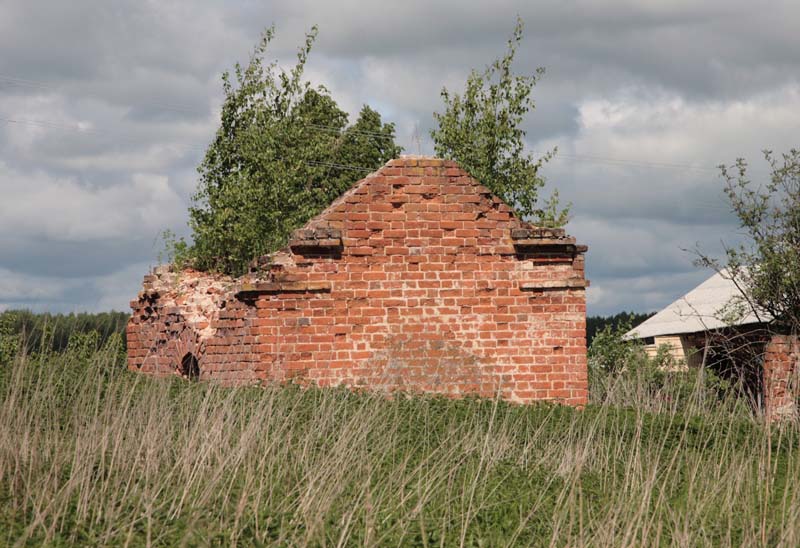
[
  {"x": 333, "y": 129},
  {"x": 52, "y": 125},
  {"x": 175, "y": 106},
  {"x": 41, "y": 85},
  {"x": 558, "y": 156},
  {"x": 631, "y": 163}
]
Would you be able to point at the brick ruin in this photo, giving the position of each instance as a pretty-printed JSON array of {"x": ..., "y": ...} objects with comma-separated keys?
[
  {"x": 417, "y": 279},
  {"x": 781, "y": 357}
]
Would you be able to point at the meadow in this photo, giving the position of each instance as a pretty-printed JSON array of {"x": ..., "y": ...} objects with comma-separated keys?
[{"x": 91, "y": 454}]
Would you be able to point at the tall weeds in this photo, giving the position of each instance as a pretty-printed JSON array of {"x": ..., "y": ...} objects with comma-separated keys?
[{"x": 91, "y": 454}]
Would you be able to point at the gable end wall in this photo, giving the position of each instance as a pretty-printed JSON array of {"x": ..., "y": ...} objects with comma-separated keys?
[{"x": 417, "y": 279}]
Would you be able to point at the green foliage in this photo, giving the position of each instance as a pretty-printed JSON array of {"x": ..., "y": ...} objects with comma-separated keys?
[
  {"x": 93, "y": 454},
  {"x": 54, "y": 332},
  {"x": 622, "y": 373},
  {"x": 610, "y": 352},
  {"x": 83, "y": 344},
  {"x": 766, "y": 267},
  {"x": 177, "y": 251},
  {"x": 282, "y": 153},
  {"x": 9, "y": 338},
  {"x": 481, "y": 129}
]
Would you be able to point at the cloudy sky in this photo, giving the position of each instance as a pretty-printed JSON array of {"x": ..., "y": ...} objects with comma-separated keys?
[{"x": 106, "y": 109}]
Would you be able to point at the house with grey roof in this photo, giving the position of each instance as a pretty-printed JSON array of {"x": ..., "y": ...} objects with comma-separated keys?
[
  {"x": 714, "y": 307},
  {"x": 714, "y": 325}
]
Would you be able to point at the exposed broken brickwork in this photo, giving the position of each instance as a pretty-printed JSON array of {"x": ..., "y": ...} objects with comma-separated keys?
[
  {"x": 417, "y": 279},
  {"x": 780, "y": 375}
]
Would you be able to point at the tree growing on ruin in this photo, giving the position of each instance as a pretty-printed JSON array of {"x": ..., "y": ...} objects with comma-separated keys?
[
  {"x": 481, "y": 129},
  {"x": 766, "y": 265},
  {"x": 282, "y": 153}
]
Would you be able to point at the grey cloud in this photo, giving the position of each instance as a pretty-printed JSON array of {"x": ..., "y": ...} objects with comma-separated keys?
[
  {"x": 646, "y": 293},
  {"x": 698, "y": 48},
  {"x": 675, "y": 82},
  {"x": 90, "y": 293},
  {"x": 35, "y": 256}
]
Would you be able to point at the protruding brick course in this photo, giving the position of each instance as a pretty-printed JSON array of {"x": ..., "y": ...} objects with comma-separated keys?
[{"x": 416, "y": 279}]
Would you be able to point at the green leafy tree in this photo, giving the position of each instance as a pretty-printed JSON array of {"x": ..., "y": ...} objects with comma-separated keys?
[
  {"x": 766, "y": 266},
  {"x": 9, "y": 338},
  {"x": 481, "y": 130},
  {"x": 611, "y": 352},
  {"x": 282, "y": 153}
]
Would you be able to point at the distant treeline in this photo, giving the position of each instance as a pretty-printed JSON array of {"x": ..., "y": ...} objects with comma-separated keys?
[
  {"x": 596, "y": 323},
  {"x": 59, "y": 327},
  {"x": 54, "y": 330}
]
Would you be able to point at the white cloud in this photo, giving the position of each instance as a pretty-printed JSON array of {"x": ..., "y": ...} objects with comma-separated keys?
[
  {"x": 671, "y": 129},
  {"x": 660, "y": 81},
  {"x": 89, "y": 294},
  {"x": 62, "y": 209},
  {"x": 15, "y": 287}
]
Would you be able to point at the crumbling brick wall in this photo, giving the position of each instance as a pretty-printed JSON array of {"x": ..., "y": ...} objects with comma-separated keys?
[
  {"x": 416, "y": 279},
  {"x": 781, "y": 357}
]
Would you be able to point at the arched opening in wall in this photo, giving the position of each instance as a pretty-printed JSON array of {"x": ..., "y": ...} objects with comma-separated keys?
[{"x": 190, "y": 367}]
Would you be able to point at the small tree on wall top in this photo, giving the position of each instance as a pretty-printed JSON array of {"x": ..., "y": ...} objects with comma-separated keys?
[
  {"x": 282, "y": 153},
  {"x": 481, "y": 130}
]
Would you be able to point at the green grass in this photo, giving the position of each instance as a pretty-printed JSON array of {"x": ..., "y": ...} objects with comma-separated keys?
[{"x": 91, "y": 454}]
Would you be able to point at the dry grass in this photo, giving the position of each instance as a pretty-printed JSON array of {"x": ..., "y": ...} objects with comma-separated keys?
[{"x": 93, "y": 455}]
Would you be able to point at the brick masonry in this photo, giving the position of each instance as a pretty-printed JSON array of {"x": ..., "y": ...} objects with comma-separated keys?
[
  {"x": 417, "y": 279},
  {"x": 781, "y": 357}
]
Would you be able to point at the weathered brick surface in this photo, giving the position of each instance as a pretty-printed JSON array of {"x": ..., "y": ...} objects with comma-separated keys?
[
  {"x": 417, "y": 279},
  {"x": 781, "y": 357}
]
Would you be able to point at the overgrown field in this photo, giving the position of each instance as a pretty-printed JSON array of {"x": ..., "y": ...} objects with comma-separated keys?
[{"x": 91, "y": 454}]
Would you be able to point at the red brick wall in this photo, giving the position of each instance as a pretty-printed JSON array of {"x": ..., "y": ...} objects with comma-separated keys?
[
  {"x": 417, "y": 279},
  {"x": 780, "y": 370}
]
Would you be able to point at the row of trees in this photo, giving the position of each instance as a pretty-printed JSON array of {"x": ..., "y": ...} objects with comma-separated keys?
[{"x": 55, "y": 332}]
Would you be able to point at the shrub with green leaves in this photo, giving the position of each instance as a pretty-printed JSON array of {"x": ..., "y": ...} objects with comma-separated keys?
[
  {"x": 622, "y": 373},
  {"x": 9, "y": 339},
  {"x": 765, "y": 266},
  {"x": 610, "y": 352},
  {"x": 283, "y": 152},
  {"x": 481, "y": 129}
]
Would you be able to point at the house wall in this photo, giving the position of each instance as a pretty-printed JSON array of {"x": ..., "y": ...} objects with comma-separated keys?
[
  {"x": 682, "y": 348},
  {"x": 418, "y": 279},
  {"x": 673, "y": 343}
]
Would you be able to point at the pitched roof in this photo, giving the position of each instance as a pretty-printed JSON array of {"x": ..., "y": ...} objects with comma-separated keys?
[{"x": 697, "y": 311}]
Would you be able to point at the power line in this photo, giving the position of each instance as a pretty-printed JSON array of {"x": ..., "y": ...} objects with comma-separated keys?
[
  {"x": 47, "y": 124},
  {"x": 52, "y": 125},
  {"x": 93, "y": 132},
  {"x": 175, "y": 106},
  {"x": 575, "y": 157},
  {"x": 349, "y": 130},
  {"x": 333, "y": 129},
  {"x": 632, "y": 163},
  {"x": 41, "y": 85},
  {"x": 339, "y": 166}
]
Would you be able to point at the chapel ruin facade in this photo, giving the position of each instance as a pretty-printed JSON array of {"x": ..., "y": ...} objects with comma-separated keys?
[{"x": 418, "y": 279}]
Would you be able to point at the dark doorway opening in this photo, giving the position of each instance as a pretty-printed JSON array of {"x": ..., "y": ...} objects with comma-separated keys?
[{"x": 190, "y": 367}]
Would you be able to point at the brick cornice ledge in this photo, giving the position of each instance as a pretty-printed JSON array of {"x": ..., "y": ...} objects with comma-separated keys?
[
  {"x": 260, "y": 288},
  {"x": 571, "y": 283}
]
